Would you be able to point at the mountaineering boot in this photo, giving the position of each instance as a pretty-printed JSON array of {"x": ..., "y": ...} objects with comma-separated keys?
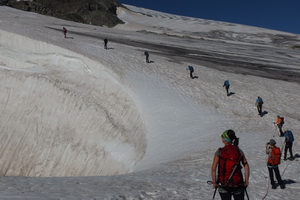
[{"x": 282, "y": 186}]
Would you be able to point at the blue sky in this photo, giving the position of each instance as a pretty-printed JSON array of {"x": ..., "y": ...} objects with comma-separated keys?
[{"x": 283, "y": 15}]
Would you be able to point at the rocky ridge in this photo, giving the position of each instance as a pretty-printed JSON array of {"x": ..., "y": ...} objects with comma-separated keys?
[{"x": 95, "y": 12}]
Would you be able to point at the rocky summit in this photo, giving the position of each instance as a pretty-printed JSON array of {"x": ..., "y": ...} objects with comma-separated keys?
[{"x": 96, "y": 12}]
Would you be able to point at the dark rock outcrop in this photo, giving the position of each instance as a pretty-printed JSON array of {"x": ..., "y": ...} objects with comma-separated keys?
[
  {"x": 96, "y": 12},
  {"x": 3, "y": 2}
]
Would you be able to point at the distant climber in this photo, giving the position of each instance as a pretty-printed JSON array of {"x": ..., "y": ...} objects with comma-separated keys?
[
  {"x": 226, "y": 85},
  {"x": 259, "y": 102},
  {"x": 274, "y": 155},
  {"x": 105, "y": 43},
  {"x": 289, "y": 139},
  {"x": 279, "y": 122},
  {"x": 191, "y": 69},
  {"x": 65, "y": 32},
  {"x": 147, "y": 56}
]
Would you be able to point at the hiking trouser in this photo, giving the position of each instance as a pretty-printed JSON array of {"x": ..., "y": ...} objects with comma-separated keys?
[
  {"x": 238, "y": 193},
  {"x": 191, "y": 73},
  {"x": 227, "y": 89},
  {"x": 280, "y": 129},
  {"x": 259, "y": 108},
  {"x": 288, "y": 146},
  {"x": 275, "y": 169}
]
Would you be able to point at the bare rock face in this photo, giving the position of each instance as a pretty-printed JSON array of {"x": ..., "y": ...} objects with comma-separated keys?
[
  {"x": 3, "y": 2},
  {"x": 96, "y": 12}
]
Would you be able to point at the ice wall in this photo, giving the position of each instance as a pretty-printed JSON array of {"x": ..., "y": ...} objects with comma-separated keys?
[{"x": 62, "y": 114}]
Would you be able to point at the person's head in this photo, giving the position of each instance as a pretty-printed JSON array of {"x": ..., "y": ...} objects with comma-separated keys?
[
  {"x": 229, "y": 137},
  {"x": 272, "y": 142}
]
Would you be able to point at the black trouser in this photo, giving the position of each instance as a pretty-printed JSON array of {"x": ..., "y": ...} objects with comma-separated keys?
[
  {"x": 275, "y": 169},
  {"x": 280, "y": 129},
  {"x": 227, "y": 89},
  {"x": 191, "y": 73},
  {"x": 238, "y": 193},
  {"x": 259, "y": 108},
  {"x": 288, "y": 146}
]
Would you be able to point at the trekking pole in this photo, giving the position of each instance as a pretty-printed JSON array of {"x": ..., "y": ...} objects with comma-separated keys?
[
  {"x": 275, "y": 130},
  {"x": 210, "y": 182},
  {"x": 215, "y": 193},
  {"x": 267, "y": 189},
  {"x": 246, "y": 193}
]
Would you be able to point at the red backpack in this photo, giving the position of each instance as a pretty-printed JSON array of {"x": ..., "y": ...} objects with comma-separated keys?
[
  {"x": 229, "y": 168},
  {"x": 275, "y": 157}
]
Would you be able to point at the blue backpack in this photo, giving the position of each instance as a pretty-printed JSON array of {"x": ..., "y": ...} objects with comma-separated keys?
[
  {"x": 259, "y": 101},
  {"x": 226, "y": 83},
  {"x": 289, "y": 137}
]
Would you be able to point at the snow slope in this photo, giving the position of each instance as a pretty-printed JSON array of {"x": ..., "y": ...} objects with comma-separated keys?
[{"x": 81, "y": 122}]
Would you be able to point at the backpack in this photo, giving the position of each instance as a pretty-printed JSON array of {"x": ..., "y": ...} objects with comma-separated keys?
[
  {"x": 289, "y": 137},
  {"x": 226, "y": 83},
  {"x": 259, "y": 101},
  {"x": 275, "y": 157},
  {"x": 229, "y": 158},
  {"x": 282, "y": 120}
]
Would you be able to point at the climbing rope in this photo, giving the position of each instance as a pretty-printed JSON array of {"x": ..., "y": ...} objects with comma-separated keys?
[{"x": 268, "y": 188}]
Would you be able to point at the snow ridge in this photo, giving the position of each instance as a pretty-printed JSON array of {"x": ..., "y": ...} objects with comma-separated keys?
[{"x": 72, "y": 129}]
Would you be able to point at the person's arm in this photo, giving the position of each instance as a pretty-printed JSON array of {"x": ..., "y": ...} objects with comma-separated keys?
[
  {"x": 246, "y": 171},
  {"x": 213, "y": 171},
  {"x": 267, "y": 148}
]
